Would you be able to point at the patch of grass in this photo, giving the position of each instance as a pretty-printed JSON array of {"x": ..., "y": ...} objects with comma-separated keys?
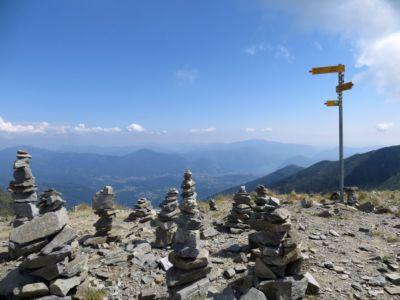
[
  {"x": 94, "y": 294},
  {"x": 393, "y": 239},
  {"x": 376, "y": 233}
]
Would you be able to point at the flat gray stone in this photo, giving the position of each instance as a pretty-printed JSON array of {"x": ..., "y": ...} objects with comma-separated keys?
[
  {"x": 61, "y": 287},
  {"x": 33, "y": 290},
  {"x": 14, "y": 279},
  {"x": 195, "y": 291},
  {"x": 40, "y": 227},
  {"x": 34, "y": 261},
  {"x": 65, "y": 236}
]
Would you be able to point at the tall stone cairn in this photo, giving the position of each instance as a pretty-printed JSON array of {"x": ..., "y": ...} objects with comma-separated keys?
[
  {"x": 187, "y": 279},
  {"x": 23, "y": 190},
  {"x": 51, "y": 263},
  {"x": 103, "y": 203},
  {"x": 278, "y": 265},
  {"x": 241, "y": 211},
  {"x": 142, "y": 211},
  {"x": 166, "y": 226}
]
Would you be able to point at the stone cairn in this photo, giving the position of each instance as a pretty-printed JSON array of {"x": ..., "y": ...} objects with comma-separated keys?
[
  {"x": 241, "y": 212},
  {"x": 278, "y": 262},
  {"x": 187, "y": 279},
  {"x": 103, "y": 205},
  {"x": 142, "y": 211},
  {"x": 166, "y": 226},
  {"x": 23, "y": 190},
  {"x": 51, "y": 264},
  {"x": 351, "y": 193},
  {"x": 212, "y": 205}
]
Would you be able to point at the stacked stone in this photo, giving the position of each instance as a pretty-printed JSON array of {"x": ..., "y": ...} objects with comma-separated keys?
[
  {"x": 103, "y": 205},
  {"x": 241, "y": 212},
  {"x": 166, "y": 226},
  {"x": 143, "y": 211},
  {"x": 187, "y": 279},
  {"x": 278, "y": 264},
  {"x": 212, "y": 204},
  {"x": 352, "y": 196},
  {"x": 23, "y": 190},
  {"x": 50, "y": 264}
]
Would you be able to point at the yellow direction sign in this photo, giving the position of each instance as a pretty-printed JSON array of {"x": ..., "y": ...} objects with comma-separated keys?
[
  {"x": 332, "y": 103},
  {"x": 325, "y": 70},
  {"x": 344, "y": 87}
]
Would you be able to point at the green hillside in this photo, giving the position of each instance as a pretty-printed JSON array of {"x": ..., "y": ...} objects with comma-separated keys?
[{"x": 378, "y": 169}]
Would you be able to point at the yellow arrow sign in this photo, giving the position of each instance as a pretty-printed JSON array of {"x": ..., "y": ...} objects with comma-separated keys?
[
  {"x": 325, "y": 70},
  {"x": 332, "y": 103},
  {"x": 344, "y": 87}
]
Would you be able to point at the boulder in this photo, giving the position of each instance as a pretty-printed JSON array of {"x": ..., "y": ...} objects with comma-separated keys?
[
  {"x": 65, "y": 236},
  {"x": 313, "y": 286},
  {"x": 367, "y": 207},
  {"x": 194, "y": 291}
]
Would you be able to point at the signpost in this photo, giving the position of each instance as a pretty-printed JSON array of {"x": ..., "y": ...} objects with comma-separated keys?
[{"x": 342, "y": 86}]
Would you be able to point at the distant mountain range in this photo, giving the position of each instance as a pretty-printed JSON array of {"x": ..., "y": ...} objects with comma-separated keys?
[
  {"x": 149, "y": 173},
  {"x": 377, "y": 169}
]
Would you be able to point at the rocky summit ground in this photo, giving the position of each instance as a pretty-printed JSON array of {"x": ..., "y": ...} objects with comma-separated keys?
[{"x": 352, "y": 254}]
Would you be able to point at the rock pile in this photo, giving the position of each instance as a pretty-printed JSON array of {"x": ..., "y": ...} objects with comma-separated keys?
[
  {"x": 166, "y": 226},
  {"x": 103, "y": 205},
  {"x": 187, "y": 279},
  {"x": 23, "y": 190},
  {"x": 51, "y": 264},
  {"x": 142, "y": 211},
  {"x": 351, "y": 193},
  {"x": 212, "y": 204},
  {"x": 278, "y": 265},
  {"x": 241, "y": 212}
]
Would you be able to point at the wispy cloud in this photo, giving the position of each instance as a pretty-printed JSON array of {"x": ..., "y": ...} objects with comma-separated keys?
[
  {"x": 186, "y": 76},
  {"x": 384, "y": 126},
  {"x": 81, "y": 128},
  {"x": 318, "y": 46},
  {"x": 135, "y": 128},
  {"x": 257, "y": 48},
  {"x": 283, "y": 52},
  {"x": 203, "y": 130},
  {"x": 277, "y": 51}
]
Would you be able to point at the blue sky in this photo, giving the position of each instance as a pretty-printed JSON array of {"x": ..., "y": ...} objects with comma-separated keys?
[{"x": 125, "y": 72}]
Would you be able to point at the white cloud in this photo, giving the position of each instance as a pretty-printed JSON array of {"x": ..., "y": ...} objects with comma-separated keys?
[
  {"x": 135, "y": 128},
  {"x": 209, "y": 129},
  {"x": 268, "y": 129},
  {"x": 384, "y": 126},
  {"x": 249, "y": 129},
  {"x": 371, "y": 27},
  {"x": 186, "y": 76},
  {"x": 8, "y": 127},
  {"x": 81, "y": 128}
]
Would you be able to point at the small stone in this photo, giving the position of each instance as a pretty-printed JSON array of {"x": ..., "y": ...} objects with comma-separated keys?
[
  {"x": 394, "y": 278},
  {"x": 229, "y": 273},
  {"x": 357, "y": 286},
  {"x": 334, "y": 233},
  {"x": 328, "y": 265},
  {"x": 393, "y": 290},
  {"x": 313, "y": 286}
]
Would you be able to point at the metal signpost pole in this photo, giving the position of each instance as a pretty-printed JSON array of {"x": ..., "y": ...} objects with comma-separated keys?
[
  {"x": 342, "y": 86},
  {"x": 341, "y": 160}
]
